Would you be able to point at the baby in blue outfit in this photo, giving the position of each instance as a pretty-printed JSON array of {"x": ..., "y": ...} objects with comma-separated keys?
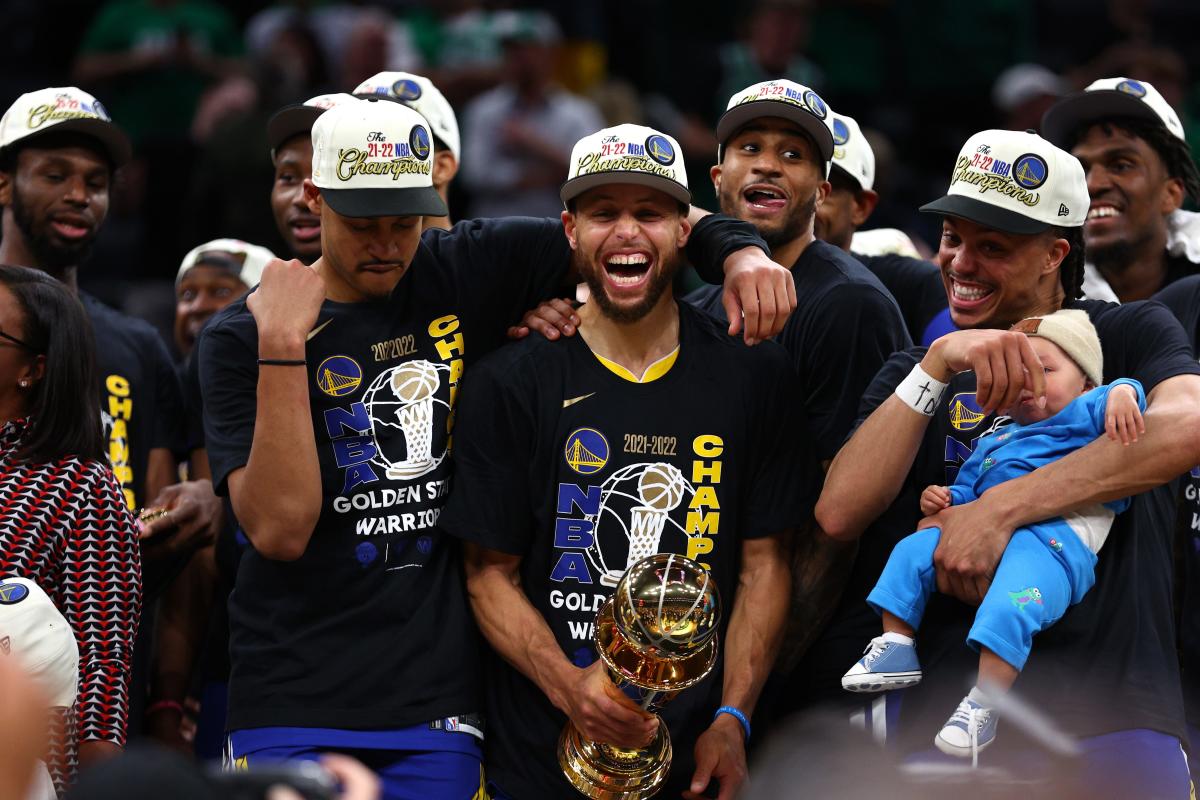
[{"x": 1047, "y": 566}]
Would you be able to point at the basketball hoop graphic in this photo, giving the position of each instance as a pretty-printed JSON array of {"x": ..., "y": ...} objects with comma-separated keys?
[{"x": 405, "y": 397}]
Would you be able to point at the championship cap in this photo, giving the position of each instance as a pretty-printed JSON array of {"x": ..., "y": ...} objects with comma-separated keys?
[
  {"x": 1015, "y": 182},
  {"x": 780, "y": 98},
  {"x": 852, "y": 152},
  {"x": 243, "y": 260},
  {"x": 1106, "y": 98},
  {"x": 298, "y": 119},
  {"x": 417, "y": 91},
  {"x": 372, "y": 158},
  {"x": 63, "y": 110},
  {"x": 34, "y": 632},
  {"x": 627, "y": 154}
]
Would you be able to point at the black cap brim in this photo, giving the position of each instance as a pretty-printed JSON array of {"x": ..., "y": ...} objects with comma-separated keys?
[
  {"x": 416, "y": 201},
  {"x": 1068, "y": 115},
  {"x": 291, "y": 121},
  {"x": 577, "y": 186},
  {"x": 740, "y": 115},
  {"x": 114, "y": 141},
  {"x": 986, "y": 214}
]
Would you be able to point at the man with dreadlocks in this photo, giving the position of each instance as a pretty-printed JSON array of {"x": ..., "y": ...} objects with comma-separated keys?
[
  {"x": 1012, "y": 247},
  {"x": 1139, "y": 171}
]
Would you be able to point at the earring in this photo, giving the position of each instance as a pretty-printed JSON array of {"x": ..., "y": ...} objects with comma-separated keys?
[{"x": 24, "y": 383}]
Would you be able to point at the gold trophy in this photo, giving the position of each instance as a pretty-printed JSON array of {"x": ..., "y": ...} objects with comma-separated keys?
[{"x": 657, "y": 635}]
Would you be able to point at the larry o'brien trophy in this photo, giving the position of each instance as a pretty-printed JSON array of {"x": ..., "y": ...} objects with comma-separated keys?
[{"x": 657, "y": 635}]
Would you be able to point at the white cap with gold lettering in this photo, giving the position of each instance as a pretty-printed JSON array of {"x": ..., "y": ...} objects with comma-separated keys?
[
  {"x": 627, "y": 154},
  {"x": 374, "y": 158},
  {"x": 1105, "y": 99},
  {"x": 63, "y": 110},
  {"x": 418, "y": 92},
  {"x": 784, "y": 99}
]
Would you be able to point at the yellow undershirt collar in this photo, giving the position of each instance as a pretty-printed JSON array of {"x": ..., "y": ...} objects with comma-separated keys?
[{"x": 652, "y": 373}]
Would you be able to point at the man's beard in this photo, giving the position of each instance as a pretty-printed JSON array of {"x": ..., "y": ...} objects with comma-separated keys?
[
  {"x": 48, "y": 254},
  {"x": 659, "y": 283},
  {"x": 1114, "y": 258},
  {"x": 793, "y": 226}
]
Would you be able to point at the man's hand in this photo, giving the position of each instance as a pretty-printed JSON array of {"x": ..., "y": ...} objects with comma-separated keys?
[
  {"x": 721, "y": 754},
  {"x": 934, "y": 499},
  {"x": 1122, "y": 417},
  {"x": 285, "y": 305},
  {"x": 972, "y": 541},
  {"x": 603, "y": 713},
  {"x": 759, "y": 295},
  {"x": 1003, "y": 361},
  {"x": 193, "y": 519},
  {"x": 551, "y": 319}
]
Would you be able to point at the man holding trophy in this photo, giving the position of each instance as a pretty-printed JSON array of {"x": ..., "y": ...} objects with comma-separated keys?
[{"x": 652, "y": 432}]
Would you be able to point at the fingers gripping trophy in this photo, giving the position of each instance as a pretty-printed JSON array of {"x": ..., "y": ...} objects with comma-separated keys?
[{"x": 657, "y": 634}]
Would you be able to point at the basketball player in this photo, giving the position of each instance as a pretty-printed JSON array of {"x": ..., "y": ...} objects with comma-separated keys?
[
  {"x": 576, "y": 459},
  {"x": 328, "y": 395}
]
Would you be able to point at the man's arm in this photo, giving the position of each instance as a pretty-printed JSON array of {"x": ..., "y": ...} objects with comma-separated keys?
[
  {"x": 821, "y": 567},
  {"x": 521, "y": 636},
  {"x": 751, "y": 644}
]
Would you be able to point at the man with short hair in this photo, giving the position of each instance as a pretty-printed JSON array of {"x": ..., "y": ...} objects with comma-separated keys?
[
  {"x": 1011, "y": 248},
  {"x": 1139, "y": 171},
  {"x": 419, "y": 93},
  {"x": 561, "y": 486}
]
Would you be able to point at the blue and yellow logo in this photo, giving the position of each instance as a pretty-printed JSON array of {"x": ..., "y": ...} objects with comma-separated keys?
[
  {"x": 1132, "y": 87},
  {"x": 406, "y": 89},
  {"x": 586, "y": 451},
  {"x": 815, "y": 104},
  {"x": 1030, "y": 171},
  {"x": 841, "y": 131},
  {"x": 659, "y": 148},
  {"x": 13, "y": 593},
  {"x": 965, "y": 413},
  {"x": 338, "y": 376},
  {"x": 418, "y": 142}
]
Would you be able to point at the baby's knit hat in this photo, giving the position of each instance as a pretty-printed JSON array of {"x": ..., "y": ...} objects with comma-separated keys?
[{"x": 1072, "y": 330}]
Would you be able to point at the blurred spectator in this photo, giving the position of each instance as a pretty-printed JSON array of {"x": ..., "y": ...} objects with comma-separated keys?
[
  {"x": 211, "y": 277},
  {"x": 1023, "y": 93},
  {"x": 518, "y": 136}
]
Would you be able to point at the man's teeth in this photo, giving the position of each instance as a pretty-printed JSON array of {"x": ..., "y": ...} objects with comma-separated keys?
[
  {"x": 625, "y": 280},
  {"x": 969, "y": 292},
  {"x": 1103, "y": 211},
  {"x": 628, "y": 258},
  {"x": 763, "y": 194}
]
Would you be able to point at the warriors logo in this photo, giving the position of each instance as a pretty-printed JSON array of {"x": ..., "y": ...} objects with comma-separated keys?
[{"x": 338, "y": 376}]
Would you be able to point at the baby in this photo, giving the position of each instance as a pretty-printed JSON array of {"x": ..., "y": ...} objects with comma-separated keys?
[{"x": 1046, "y": 567}]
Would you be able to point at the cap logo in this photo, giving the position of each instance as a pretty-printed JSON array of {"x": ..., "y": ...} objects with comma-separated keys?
[
  {"x": 65, "y": 107},
  {"x": 1132, "y": 87},
  {"x": 815, "y": 104},
  {"x": 1063, "y": 211},
  {"x": 13, "y": 593},
  {"x": 841, "y": 132},
  {"x": 992, "y": 174},
  {"x": 659, "y": 148},
  {"x": 418, "y": 142},
  {"x": 1030, "y": 171},
  {"x": 406, "y": 89}
]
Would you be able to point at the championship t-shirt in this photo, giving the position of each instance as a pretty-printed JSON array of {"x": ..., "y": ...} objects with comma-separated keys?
[
  {"x": 583, "y": 472},
  {"x": 844, "y": 328},
  {"x": 917, "y": 286},
  {"x": 1109, "y": 664}
]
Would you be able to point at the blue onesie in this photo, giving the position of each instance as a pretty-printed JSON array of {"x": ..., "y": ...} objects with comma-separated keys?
[{"x": 1047, "y": 566}]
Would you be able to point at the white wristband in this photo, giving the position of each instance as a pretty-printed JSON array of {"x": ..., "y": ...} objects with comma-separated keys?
[{"x": 920, "y": 392}]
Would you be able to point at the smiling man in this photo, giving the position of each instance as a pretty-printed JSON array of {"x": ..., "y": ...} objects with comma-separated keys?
[
  {"x": 1139, "y": 172},
  {"x": 651, "y": 431}
]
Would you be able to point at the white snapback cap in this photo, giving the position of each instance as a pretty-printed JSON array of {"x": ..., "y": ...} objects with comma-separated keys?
[
  {"x": 1106, "y": 98},
  {"x": 374, "y": 158},
  {"x": 33, "y": 631},
  {"x": 627, "y": 154},
  {"x": 63, "y": 110},
  {"x": 852, "y": 152},
  {"x": 417, "y": 91},
  {"x": 244, "y": 260},
  {"x": 298, "y": 119},
  {"x": 1015, "y": 182},
  {"x": 785, "y": 99}
]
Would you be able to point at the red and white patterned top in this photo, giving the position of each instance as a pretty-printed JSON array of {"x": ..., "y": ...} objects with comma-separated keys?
[{"x": 65, "y": 525}]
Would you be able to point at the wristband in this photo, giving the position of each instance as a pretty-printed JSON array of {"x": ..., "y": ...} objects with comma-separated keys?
[
  {"x": 164, "y": 705},
  {"x": 282, "y": 362},
  {"x": 921, "y": 392},
  {"x": 736, "y": 714}
]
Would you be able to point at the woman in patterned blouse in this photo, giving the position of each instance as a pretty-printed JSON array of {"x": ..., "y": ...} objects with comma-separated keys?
[{"x": 63, "y": 520}]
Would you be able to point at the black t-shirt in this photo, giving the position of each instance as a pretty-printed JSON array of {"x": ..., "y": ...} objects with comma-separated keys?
[
  {"x": 558, "y": 460},
  {"x": 1109, "y": 664},
  {"x": 917, "y": 286},
  {"x": 844, "y": 328},
  {"x": 141, "y": 403}
]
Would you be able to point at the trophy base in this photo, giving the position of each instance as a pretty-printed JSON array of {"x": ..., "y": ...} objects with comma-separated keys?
[{"x": 607, "y": 772}]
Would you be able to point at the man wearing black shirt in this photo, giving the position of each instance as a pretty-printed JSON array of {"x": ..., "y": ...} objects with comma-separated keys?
[
  {"x": 1139, "y": 171},
  {"x": 557, "y": 486},
  {"x": 349, "y": 625},
  {"x": 1011, "y": 248}
]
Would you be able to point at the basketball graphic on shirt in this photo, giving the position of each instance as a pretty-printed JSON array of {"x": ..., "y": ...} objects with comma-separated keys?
[
  {"x": 404, "y": 400},
  {"x": 415, "y": 381},
  {"x": 661, "y": 487}
]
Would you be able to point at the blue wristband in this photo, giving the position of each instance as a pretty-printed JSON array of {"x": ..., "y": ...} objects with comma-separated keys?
[{"x": 736, "y": 714}]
